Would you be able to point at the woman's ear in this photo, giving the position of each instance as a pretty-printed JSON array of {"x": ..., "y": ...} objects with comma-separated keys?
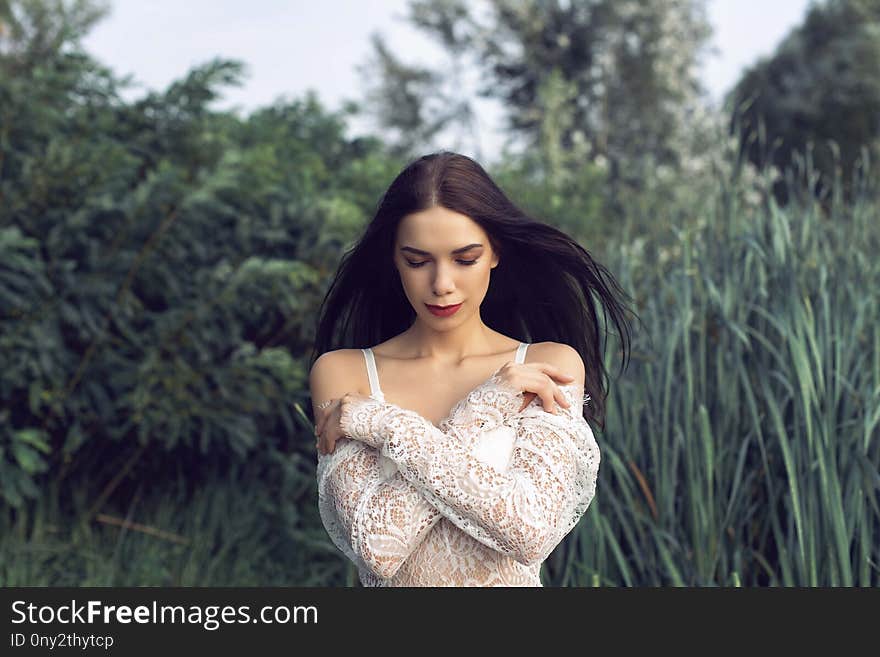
[{"x": 496, "y": 253}]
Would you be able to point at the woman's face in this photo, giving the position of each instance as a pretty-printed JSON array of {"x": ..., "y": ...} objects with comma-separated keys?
[{"x": 439, "y": 264}]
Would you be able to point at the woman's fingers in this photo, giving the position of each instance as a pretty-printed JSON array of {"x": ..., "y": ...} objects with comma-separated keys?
[
  {"x": 321, "y": 418},
  {"x": 527, "y": 399},
  {"x": 549, "y": 399},
  {"x": 558, "y": 396},
  {"x": 324, "y": 428},
  {"x": 549, "y": 402},
  {"x": 543, "y": 391},
  {"x": 330, "y": 442},
  {"x": 555, "y": 372},
  {"x": 553, "y": 398},
  {"x": 563, "y": 400},
  {"x": 319, "y": 428},
  {"x": 551, "y": 394},
  {"x": 324, "y": 441}
]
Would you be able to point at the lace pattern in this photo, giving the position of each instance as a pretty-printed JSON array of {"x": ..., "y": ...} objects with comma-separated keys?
[
  {"x": 483, "y": 498},
  {"x": 375, "y": 517}
]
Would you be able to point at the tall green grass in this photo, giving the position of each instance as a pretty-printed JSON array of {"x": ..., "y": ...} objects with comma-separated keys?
[
  {"x": 234, "y": 531},
  {"x": 742, "y": 444}
]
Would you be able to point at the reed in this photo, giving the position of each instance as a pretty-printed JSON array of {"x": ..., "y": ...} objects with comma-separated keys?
[{"x": 742, "y": 444}]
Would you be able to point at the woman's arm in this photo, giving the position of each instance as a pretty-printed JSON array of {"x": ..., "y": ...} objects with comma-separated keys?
[
  {"x": 523, "y": 508},
  {"x": 375, "y": 515},
  {"x": 371, "y": 513}
]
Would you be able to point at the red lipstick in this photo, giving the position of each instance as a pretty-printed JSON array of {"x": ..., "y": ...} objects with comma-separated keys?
[{"x": 443, "y": 311}]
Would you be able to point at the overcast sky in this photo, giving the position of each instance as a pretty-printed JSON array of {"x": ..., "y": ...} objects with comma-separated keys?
[{"x": 289, "y": 46}]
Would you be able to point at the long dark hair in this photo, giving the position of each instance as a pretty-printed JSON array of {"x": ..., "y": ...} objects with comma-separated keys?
[{"x": 541, "y": 290}]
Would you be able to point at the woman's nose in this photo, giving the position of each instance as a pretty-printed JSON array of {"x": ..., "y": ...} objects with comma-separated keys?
[{"x": 442, "y": 283}]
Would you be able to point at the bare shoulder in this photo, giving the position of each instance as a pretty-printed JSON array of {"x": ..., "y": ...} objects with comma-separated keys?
[
  {"x": 563, "y": 356},
  {"x": 333, "y": 374}
]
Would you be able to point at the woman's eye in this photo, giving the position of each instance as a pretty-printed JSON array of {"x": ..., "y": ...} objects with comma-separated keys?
[{"x": 416, "y": 265}]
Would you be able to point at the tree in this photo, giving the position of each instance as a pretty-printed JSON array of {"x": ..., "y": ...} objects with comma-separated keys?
[
  {"x": 416, "y": 103},
  {"x": 32, "y": 30},
  {"x": 159, "y": 267},
  {"x": 819, "y": 91},
  {"x": 611, "y": 81}
]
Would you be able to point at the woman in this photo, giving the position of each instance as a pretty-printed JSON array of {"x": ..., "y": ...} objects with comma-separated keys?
[{"x": 459, "y": 480}]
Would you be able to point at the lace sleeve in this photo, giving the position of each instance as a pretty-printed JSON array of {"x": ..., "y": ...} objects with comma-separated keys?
[
  {"x": 517, "y": 484},
  {"x": 371, "y": 513}
]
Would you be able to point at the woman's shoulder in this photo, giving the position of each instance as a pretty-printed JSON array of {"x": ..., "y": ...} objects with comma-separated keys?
[
  {"x": 336, "y": 359},
  {"x": 334, "y": 373},
  {"x": 339, "y": 365},
  {"x": 562, "y": 355}
]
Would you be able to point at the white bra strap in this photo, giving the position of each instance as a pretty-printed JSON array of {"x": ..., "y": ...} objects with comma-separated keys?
[{"x": 375, "y": 390}]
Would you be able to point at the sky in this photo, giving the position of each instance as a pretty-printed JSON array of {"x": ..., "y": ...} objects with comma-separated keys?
[{"x": 289, "y": 46}]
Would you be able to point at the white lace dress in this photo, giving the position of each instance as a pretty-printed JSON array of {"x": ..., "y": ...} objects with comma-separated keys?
[{"x": 480, "y": 500}]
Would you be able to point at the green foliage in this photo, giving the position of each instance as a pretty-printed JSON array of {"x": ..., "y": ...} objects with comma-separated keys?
[
  {"x": 821, "y": 88},
  {"x": 572, "y": 202},
  {"x": 742, "y": 447},
  {"x": 611, "y": 81},
  {"x": 225, "y": 533},
  {"x": 159, "y": 267}
]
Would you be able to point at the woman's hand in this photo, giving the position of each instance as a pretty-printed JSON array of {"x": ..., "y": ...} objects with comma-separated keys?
[
  {"x": 328, "y": 423},
  {"x": 536, "y": 380}
]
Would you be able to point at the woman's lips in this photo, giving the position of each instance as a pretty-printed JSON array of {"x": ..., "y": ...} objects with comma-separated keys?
[{"x": 443, "y": 311}]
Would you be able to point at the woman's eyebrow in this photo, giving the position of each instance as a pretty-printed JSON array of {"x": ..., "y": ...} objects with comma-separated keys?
[{"x": 424, "y": 253}]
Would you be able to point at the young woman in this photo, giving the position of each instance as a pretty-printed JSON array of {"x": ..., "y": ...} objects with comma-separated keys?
[{"x": 434, "y": 466}]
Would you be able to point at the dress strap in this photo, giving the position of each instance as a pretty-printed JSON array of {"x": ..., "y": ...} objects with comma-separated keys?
[
  {"x": 375, "y": 390},
  {"x": 521, "y": 352}
]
